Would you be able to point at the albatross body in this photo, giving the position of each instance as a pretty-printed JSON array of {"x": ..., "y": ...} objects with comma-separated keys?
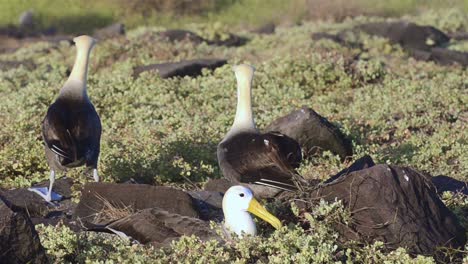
[
  {"x": 247, "y": 156},
  {"x": 71, "y": 128},
  {"x": 160, "y": 225}
]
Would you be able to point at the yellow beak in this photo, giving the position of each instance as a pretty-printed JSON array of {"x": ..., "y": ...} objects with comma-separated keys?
[{"x": 257, "y": 209}]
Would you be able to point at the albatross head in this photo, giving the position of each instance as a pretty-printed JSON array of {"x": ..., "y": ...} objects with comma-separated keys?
[{"x": 238, "y": 201}]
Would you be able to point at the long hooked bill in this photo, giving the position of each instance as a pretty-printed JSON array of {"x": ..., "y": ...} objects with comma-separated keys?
[{"x": 257, "y": 209}]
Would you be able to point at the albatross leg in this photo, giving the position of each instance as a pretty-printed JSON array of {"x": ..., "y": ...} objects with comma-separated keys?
[
  {"x": 51, "y": 184},
  {"x": 47, "y": 193},
  {"x": 95, "y": 175}
]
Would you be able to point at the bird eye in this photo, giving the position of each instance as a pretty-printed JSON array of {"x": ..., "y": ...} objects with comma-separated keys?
[{"x": 241, "y": 195}]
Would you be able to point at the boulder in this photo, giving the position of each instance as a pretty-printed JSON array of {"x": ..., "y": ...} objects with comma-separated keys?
[
  {"x": 19, "y": 241},
  {"x": 174, "y": 35},
  {"x": 395, "y": 205},
  {"x": 313, "y": 132},
  {"x": 183, "y": 68},
  {"x": 102, "y": 203},
  {"x": 111, "y": 31},
  {"x": 408, "y": 35},
  {"x": 218, "y": 185},
  {"x": 7, "y": 65},
  {"x": 32, "y": 204},
  {"x": 266, "y": 29},
  {"x": 209, "y": 204},
  {"x": 446, "y": 184},
  {"x": 231, "y": 41}
]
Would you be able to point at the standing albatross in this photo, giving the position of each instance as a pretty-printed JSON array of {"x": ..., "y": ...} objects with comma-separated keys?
[
  {"x": 72, "y": 129},
  {"x": 247, "y": 156}
]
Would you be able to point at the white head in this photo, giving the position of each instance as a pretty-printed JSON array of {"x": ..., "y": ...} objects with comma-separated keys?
[
  {"x": 76, "y": 84},
  {"x": 238, "y": 201}
]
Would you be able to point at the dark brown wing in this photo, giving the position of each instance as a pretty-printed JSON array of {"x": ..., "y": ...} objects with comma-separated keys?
[
  {"x": 56, "y": 135},
  {"x": 259, "y": 158},
  {"x": 72, "y": 131},
  {"x": 161, "y": 227}
]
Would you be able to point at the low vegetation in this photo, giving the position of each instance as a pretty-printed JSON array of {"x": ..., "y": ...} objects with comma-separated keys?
[{"x": 165, "y": 131}]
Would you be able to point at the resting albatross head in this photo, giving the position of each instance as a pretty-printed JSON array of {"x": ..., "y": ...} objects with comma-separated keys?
[{"x": 238, "y": 201}]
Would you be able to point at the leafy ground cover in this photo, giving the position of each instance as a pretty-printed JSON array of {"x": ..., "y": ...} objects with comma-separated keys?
[{"x": 165, "y": 131}]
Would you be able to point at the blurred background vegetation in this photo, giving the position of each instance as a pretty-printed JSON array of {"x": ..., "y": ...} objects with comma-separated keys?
[{"x": 71, "y": 16}]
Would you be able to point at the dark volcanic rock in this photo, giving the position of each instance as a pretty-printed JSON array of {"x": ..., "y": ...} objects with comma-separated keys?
[
  {"x": 111, "y": 31},
  {"x": 231, "y": 41},
  {"x": 185, "y": 35},
  {"x": 62, "y": 186},
  {"x": 266, "y": 29},
  {"x": 159, "y": 227},
  {"x": 421, "y": 42},
  {"x": 447, "y": 57},
  {"x": 96, "y": 198},
  {"x": 218, "y": 185},
  {"x": 447, "y": 184},
  {"x": 19, "y": 242},
  {"x": 182, "y": 68},
  {"x": 408, "y": 35},
  {"x": 313, "y": 132},
  {"x": 181, "y": 35},
  {"x": 7, "y": 65},
  {"x": 26, "y": 201},
  {"x": 396, "y": 205},
  {"x": 209, "y": 205}
]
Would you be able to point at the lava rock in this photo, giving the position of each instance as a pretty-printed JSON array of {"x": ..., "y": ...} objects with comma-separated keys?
[
  {"x": 62, "y": 186},
  {"x": 174, "y": 35},
  {"x": 218, "y": 185},
  {"x": 447, "y": 184},
  {"x": 183, "y": 68},
  {"x": 267, "y": 29},
  {"x": 313, "y": 132},
  {"x": 396, "y": 205},
  {"x": 19, "y": 241},
  {"x": 408, "y": 35},
  {"x": 7, "y": 65},
  {"x": 231, "y": 41},
  {"x": 100, "y": 201},
  {"x": 25, "y": 201},
  {"x": 446, "y": 57},
  {"x": 209, "y": 205},
  {"x": 111, "y": 31}
]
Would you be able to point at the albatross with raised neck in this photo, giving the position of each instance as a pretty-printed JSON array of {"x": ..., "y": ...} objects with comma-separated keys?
[
  {"x": 247, "y": 156},
  {"x": 71, "y": 129}
]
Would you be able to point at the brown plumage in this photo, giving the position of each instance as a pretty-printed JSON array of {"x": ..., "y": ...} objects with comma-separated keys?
[
  {"x": 247, "y": 156},
  {"x": 71, "y": 131},
  {"x": 268, "y": 159},
  {"x": 71, "y": 128}
]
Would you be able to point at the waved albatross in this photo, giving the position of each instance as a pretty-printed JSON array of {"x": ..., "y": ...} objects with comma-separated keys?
[
  {"x": 71, "y": 128},
  {"x": 160, "y": 227},
  {"x": 247, "y": 156}
]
